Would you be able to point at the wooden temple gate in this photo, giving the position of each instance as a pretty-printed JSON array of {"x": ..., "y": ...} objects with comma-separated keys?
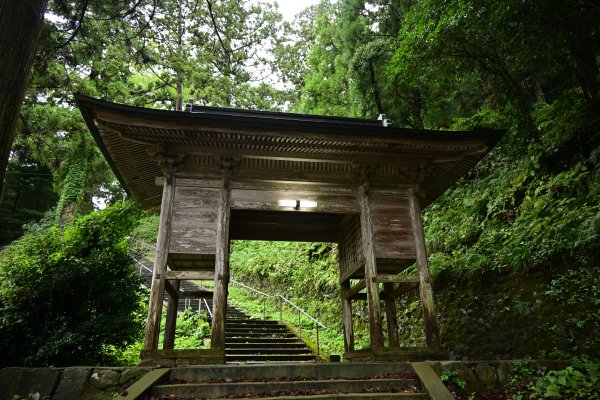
[{"x": 225, "y": 174}]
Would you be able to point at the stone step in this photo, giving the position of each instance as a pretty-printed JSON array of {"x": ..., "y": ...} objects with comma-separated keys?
[
  {"x": 269, "y": 357},
  {"x": 292, "y": 339},
  {"x": 259, "y": 334},
  {"x": 215, "y": 390},
  {"x": 270, "y": 330},
  {"x": 274, "y": 372},
  {"x": 358, "y": 396},
  {"x": 229, "y": 318},
  {"x": 234, "y": 314},
  {"x": 254, "y": 345},
  {"x": 271, "y": 350},
  {"x": 256, "y": 323},
  {"x": 250, "y": 323}
]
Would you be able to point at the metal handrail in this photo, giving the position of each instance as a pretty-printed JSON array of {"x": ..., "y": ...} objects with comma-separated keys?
[
  {"x": 142, "y": 243},
  {"x": 142, "y": 265},
  {"x": 279, "y": 296},
  {"x": 250, "y": 288},
  {"x": 208, "y": 308}
]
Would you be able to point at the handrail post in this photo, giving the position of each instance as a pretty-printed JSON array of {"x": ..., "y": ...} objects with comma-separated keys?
[
  {"x": 299, "y": 326},
  {"x": 318, "y": 347},
  {"x": 264, "y": 308},
  {"x": 280, "y": 309}
]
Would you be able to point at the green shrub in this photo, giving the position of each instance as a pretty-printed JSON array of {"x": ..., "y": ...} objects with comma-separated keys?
[
  {"x": 66, "y": 294},
  {"x": 451, "y": 378},
  {"x": 568, "y": 383}
]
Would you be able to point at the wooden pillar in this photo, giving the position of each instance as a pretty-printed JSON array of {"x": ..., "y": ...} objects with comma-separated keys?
[
  {"x": 217, "y": 337},
  {"x": 171, "y": 320},
  {"x": 391, "y": 315},
  {"x": 160, "y": 265},
  {"x": 425, "y": 289},
  {"x": 347, "y": 317},
  {"x": 366, "y": 228}
]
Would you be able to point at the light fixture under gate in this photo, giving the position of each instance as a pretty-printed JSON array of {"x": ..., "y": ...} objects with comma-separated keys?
[{"x": 297, "y": 204}]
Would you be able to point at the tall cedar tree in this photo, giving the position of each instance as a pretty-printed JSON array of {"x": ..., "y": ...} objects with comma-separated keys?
[{"x": 23, "y": 20}]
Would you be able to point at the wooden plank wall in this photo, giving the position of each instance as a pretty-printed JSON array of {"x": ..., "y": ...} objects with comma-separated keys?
[
  {"x": 392, "y": 226},
  {"x": 350, "y": 254},
  {"x": 195, "y": 210},
  {"x": 194, "y": 226}
]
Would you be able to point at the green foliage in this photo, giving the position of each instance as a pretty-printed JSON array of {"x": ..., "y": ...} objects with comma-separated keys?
[
  {"x": 450, "y": 377},
  {"x": 28, "y": 194},
  {"x": 516, "y": 214},
  {"x": 524, "y": 370},
  {"x": 65, "y": 294},
  {"x": 144, "y": 53},
  {"x": 567, "y": 383},
  {"x": 575, "y": 296},
  {"x": 191, "y": 330},
  {"x": 285, "y": 266},
  {"x": 580, "y": 380}
]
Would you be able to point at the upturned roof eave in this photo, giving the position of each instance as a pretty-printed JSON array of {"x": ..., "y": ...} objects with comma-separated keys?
[
  {"x": 266, "y": 120},
  {"x": 284, "y": 123},
  {"x": 88, "y": 117}
]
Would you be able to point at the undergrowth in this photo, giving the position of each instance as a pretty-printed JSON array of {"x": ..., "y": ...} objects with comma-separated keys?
[{"x": 579, "y": 380}]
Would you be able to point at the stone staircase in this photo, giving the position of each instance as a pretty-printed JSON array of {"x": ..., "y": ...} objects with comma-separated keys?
[
  {"x": 292, "y": 381},
  {"x": 266, "y": 360},
  {"x": 249, "y": 340},
  {"x": 246, "y": 340}
]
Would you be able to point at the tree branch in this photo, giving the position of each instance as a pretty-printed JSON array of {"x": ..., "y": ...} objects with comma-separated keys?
[
  {"x": 214, "y": 22},
  {"x": 77, "y": 26}
]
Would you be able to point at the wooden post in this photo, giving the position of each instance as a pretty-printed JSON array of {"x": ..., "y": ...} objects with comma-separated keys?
[
  {"x": 171, "y": 322},
  {"x": 391, "y": 314},
  {"x": 425, "y": 289},
  {"x": 160, "y": 266},
  {"x": 217, "y": 337},
  {"x": 366, "y": 228},
  {"x": 347, "y": 317}
]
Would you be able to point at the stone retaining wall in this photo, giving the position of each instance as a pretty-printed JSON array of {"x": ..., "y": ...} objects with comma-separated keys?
[
  {"x": 72, "y": 383},
  {"x": 102, "y": 383},
  {"x": 488, "y": 376}
]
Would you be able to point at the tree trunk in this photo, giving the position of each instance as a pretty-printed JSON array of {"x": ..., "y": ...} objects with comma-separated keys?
[
  {"x": 179, "y": 99},
  {"x": 376, "y": 93},
  {"x": 416, "y": 108},
  {"x": 20, "y": 26}
]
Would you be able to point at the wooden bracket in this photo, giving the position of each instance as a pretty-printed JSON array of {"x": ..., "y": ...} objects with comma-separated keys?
[
  {"x": 168, "y": 163},
  {"x": 361, "y": 172},
  {"x": 227, "y": 165}
]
